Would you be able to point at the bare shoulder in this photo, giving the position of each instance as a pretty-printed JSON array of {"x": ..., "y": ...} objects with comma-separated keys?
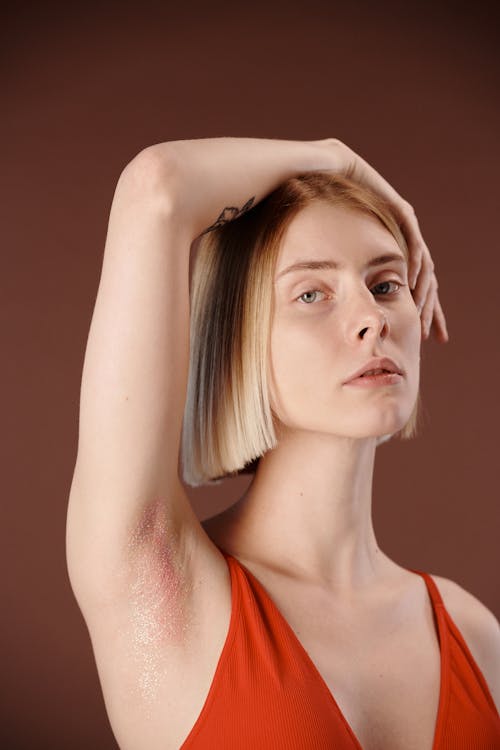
[{"x": 479, "y": 627}]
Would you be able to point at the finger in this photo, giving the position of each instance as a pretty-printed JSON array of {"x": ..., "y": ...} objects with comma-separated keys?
[
  {"x": 416, "y": 245},
  {"x": 415, "y": 265},
  {"x": 440, "y": 322},
  {"x": 424, "y": 281},
  {"x": 428, "y": 309}
]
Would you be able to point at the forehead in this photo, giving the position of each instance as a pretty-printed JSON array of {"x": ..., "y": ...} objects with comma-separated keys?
[{"x": 333, "y": 233}]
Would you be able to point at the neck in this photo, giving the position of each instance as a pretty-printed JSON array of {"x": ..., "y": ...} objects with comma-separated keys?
[{"x": 308, "y": 511}]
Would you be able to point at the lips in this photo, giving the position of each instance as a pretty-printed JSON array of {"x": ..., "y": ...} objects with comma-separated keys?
[{"x": 378, "y": 363}]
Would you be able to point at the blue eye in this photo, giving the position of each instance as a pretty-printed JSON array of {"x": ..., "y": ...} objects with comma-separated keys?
[{"x": 310, "y": 291}]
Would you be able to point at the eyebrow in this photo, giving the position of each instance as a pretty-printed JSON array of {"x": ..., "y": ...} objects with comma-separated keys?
[{"x": 325, "y": 265}]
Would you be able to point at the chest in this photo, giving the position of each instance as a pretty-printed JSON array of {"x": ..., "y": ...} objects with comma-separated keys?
[{"x": 382, "y": 669}]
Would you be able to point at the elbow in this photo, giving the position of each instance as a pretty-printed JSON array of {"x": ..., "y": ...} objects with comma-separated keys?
[{"x": 152, "y": 173}]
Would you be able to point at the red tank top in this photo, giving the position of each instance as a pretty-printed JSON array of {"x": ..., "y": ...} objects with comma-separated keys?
[{"x": 267, "y": 694}]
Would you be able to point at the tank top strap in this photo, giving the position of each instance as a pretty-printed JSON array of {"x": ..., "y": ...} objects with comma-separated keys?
[{"x": 431, "y": 587}]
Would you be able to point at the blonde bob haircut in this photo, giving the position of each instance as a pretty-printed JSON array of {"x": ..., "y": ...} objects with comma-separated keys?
[{"x": 228, "y": 420}]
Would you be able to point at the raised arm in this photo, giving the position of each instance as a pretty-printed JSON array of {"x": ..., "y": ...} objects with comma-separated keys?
[{"x": 125, "y": 487}]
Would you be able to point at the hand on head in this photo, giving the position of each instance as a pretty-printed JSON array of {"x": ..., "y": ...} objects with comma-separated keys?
[{"x": 421, "y": 275}]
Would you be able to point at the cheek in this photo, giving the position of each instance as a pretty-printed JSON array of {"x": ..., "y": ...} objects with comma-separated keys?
[
  {"x": 299, "y": 361},
  {"x": 289, "y": 355},
  {"x": 297, "y": 349},
  {"x": 409, "y": 341},
  {"x": 413, "y": 329}
]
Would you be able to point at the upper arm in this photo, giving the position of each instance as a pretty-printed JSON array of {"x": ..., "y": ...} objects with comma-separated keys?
[
  {"x": 480, "y": 628},
  {"x": 133, "y": 386}
]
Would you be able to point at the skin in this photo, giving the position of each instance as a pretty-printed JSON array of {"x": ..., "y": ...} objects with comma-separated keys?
[{"x": 310, "y": 502}]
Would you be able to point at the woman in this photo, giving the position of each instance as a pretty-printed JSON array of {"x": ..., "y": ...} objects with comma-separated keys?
[{"x": 279, "y": 623}]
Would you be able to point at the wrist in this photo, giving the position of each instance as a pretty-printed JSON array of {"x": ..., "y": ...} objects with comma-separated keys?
[{"x": 330, "y": 154}]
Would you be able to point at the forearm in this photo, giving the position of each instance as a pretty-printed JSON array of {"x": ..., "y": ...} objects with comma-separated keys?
[{"x": 216, "y": 178}]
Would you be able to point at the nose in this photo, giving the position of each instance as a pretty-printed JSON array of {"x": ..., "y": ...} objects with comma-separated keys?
[{"x": 367, "y": 319}]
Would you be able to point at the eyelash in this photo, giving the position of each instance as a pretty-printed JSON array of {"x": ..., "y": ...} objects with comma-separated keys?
[{"x": 389, "y": 281}]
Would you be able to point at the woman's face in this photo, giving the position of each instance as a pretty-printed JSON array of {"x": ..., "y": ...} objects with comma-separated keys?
[{"x": 328, "y": 323}]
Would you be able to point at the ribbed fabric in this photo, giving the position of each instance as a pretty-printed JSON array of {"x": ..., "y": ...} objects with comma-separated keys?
[
  {"x": 267, "y": 694},
  {"x": 467, "y": 716}
]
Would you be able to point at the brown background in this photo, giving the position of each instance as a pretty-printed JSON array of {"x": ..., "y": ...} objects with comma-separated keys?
[{"x": 414, "y": 91}]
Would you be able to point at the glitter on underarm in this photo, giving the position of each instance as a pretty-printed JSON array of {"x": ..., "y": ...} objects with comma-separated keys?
[{"x": 158, "y": 597}]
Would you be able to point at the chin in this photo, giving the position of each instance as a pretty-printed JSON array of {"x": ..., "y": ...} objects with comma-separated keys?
[
  {"x": 384, "y": 438},
  {"x": 384, "y": 432}
]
